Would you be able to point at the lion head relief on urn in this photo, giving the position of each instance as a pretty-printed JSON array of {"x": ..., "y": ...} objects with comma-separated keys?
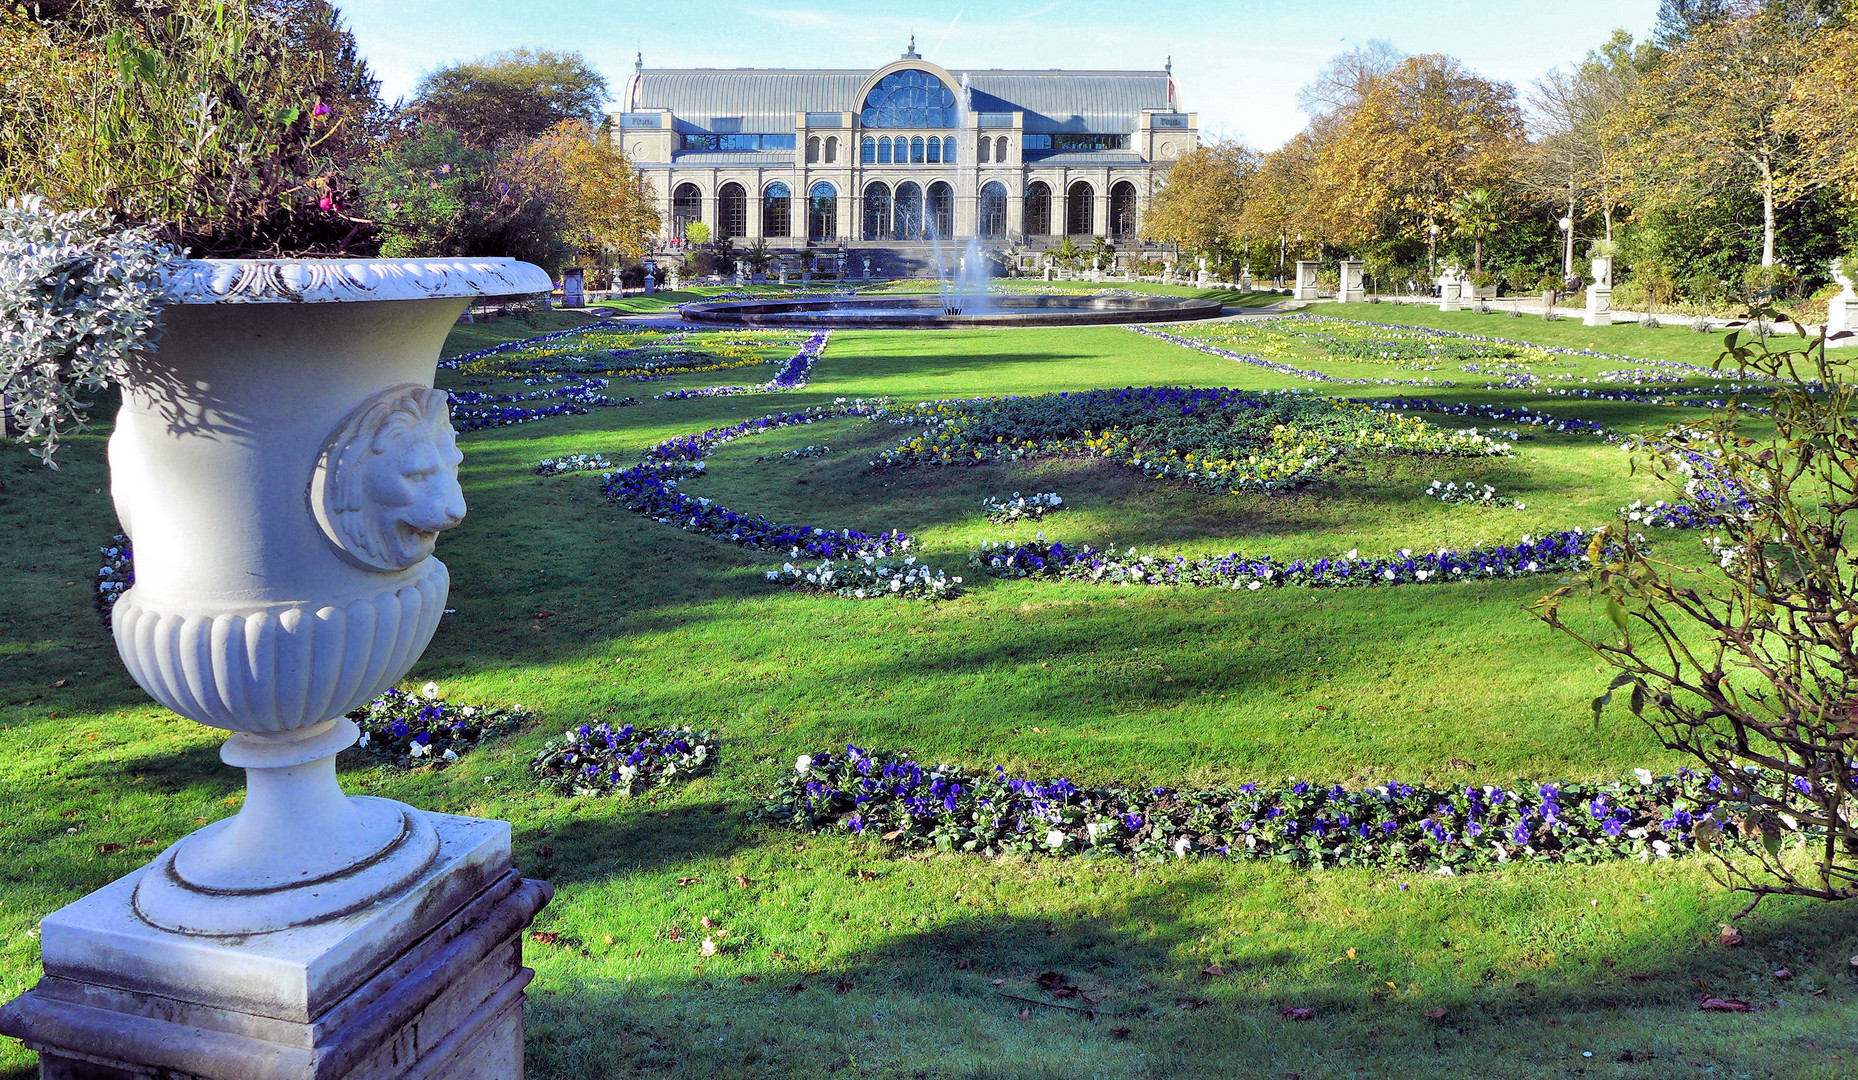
[{"x": 284, "y": 467}]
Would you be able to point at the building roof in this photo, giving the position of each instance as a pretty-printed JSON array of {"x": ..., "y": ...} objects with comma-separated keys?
[
  {"x": 705, "y": 158},
  {"x": 1084, "y": 157},
  {"x": 766, "y": 99}
]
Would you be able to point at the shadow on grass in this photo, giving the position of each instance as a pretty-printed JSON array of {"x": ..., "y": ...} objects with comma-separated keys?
[
  {"x": 965, "y": 999},
  {"x": 616, "y": 840}
]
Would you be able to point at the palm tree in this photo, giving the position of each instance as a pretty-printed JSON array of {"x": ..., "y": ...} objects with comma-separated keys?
[{"x": 1478, "y": 215}]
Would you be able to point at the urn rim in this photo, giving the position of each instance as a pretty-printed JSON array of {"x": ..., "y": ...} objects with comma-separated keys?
[{"x": 338, "y": 280}]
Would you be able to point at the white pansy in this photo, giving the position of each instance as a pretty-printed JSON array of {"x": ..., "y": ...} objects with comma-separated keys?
[{"x": 803, "y": 763}]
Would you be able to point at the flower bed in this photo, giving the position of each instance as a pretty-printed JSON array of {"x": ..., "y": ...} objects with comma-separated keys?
[
  {"x": 650, "y": 488},
  {"x": 568, "y": 463},
  {"x": 869, "y": 578},
  {"x": 1554, "y": 553},
  {"x": 115, "y": 575},
  {"x": 1449, "y": 491},
  {"x": 1300, "y": 823},
  {"x": 793, "y": 375},
  {"x": 422, "y": 729},
  {"x": 1218, "y": 439},
  {"x": 1021, "y": 507},
  {"x": 1281, "y": 368},
  {"x": 599, "y": 759},
  {"x": 1503, "y": 413}
]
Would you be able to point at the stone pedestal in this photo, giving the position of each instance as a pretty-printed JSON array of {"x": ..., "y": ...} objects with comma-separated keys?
[
  {"x": 1305, "y": 287},
  {"x": 427, "y": 983},
  {"x": 1245, "y": 281},
  {"x": 1599, "y": 306},
  {"x": 572, "y": 285},
  {"x": 1353, "y": 288},
  {"x": 1450, "y": 292},
  {"x": 1842, "y": 317}
]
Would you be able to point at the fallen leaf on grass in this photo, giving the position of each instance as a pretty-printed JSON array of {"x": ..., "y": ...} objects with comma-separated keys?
[
  {"x": 1630, "y": 1057},
  {"x": 1437, "y": 1014},
  {"x": 1121, "y": 1032},
  {"x": 544, "y": 851},
  {"x": 751, "y": 978},
  {"x": 1192, "y": 1003},
  {"x": 1292, "y": 1012},
  {"x": 545, "y": 937},
  {"x": 842, "y": 985},
  {"x": 688, "y": 881},
  {"x": 61, "y": 684},
  {"x": 707, "y": 923},
  {"x": 1730, "y": 936},
  {"x": 1051, "y": 980},
  {"x": 1782, "y": 974},
  {"x": 1025, "y": 1014},
  {"x": 108, "y": 849},
  {"x": 1459, "y": 763},
  {"x": 962, "y": 964},
  {"x": 673, "y": 934},
  {"x": 1214, "y": 970},
  {"x": 796, "y": 988},
  {"x": 1716, "y": 1004},
  {"x": 742, "y": 881},
  {"x": 999, "y": 982}
]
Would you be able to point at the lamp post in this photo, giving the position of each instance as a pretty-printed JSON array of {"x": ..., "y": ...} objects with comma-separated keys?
[{"x": 1567, "y": 246}]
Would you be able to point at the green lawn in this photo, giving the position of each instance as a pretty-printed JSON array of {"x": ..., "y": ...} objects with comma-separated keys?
[{"x": 845, "y": 960}]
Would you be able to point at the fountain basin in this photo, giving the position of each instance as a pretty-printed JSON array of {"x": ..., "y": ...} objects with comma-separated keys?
[{"x": 928, "y": 311}]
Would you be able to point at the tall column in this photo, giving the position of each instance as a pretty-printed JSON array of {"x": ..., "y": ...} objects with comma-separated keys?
[{"x": 1100, "y": 213}]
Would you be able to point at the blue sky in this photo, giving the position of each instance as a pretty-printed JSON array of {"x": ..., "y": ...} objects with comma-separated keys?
[{"x": 1237, "y": 64}]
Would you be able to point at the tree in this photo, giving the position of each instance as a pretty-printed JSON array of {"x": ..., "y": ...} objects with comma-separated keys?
[
  {"x": 608, "y": 210},
  {"x": 1422, "y": 136},
  {"x": 1278, "y": 205},
  {"x": 1478, "y": 214},
  {"x": 1580, "y": 160},
  {"x": 1822, "y": 111},
  {"x": 1199, "y": 208},
  {"x": 511, "y": 97},
  {"x": 233, "y": 128},
  {"x": 435, "y": 196},
  {"x": 1752, "y": 661},
  {"x": 1709, "y": 117},
  {"x": 1344, "y": 84}
]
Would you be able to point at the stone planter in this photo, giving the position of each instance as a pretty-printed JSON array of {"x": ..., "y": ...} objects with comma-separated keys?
[
  {"x": 1842, "y": 309},
  {"x": 284, "y": 468}
]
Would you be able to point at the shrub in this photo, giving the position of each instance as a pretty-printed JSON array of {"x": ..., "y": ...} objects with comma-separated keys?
[
  {"x": 1750, "y": 664},
  {"x": 1777, "y": 282},
  {"x": 77, "y": 297}
]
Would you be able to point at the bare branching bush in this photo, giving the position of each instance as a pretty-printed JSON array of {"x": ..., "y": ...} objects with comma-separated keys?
[{"x": 1747, "y": 659}]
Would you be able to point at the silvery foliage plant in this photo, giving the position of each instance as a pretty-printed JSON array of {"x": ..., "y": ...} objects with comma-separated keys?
[{"x": 77, "y": 297}]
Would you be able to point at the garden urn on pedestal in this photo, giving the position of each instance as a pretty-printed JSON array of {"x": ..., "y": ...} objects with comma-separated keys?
[
  {"x": 284, "y": 468},
  {"x": 1842, "y": 309},
  {"x": 1451, "y": 290},
  {"x": 1600, "y": 294},
  {"x": 573, "y": 287}
]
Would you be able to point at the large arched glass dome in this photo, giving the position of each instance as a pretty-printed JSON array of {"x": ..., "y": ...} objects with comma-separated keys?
[{"x": 909, "y": 98}]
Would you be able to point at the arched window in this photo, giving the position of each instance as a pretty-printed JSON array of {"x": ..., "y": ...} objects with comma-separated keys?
[
  {"x": 1038, "y": 209},
  {"x": 777, "y": 211},
  {"x": 1122, "y": 209},
  {"x": 935, "y": 151},
  {"x": 731, "y": 212},
  {"x": 1000, "y": 149},
  {"x": 883, "y": 150},
  {"x": 822, "y": 212},
  {"x": 832, "y": 149},
  {"x": 876, "y": 212},
  {"x": 686, "y": 207},
  {"x": 948, "y": 150},
  {"x": 812, "y": 150},
  {"x": 868, "y": 151},
  {"x": 986, "y": 151},
  {"x": 911, "y": 98},
  {"x": 916, "y": 150},
  {"x": 907, "y": 222},
  {"x": 1080, "y": 209},
  {"x": 993, "y": 209},
  {"x": 941, "y": 215}
]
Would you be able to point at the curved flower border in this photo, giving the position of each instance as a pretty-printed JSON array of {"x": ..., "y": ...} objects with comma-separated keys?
[{"x": 1398, "y": 825}]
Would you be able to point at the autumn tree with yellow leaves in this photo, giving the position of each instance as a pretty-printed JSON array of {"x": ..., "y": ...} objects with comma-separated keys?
[{"x": 606, "y": 208}]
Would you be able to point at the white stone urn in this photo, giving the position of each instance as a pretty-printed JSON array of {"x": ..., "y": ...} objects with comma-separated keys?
[{"x": 284, "y": 466}]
